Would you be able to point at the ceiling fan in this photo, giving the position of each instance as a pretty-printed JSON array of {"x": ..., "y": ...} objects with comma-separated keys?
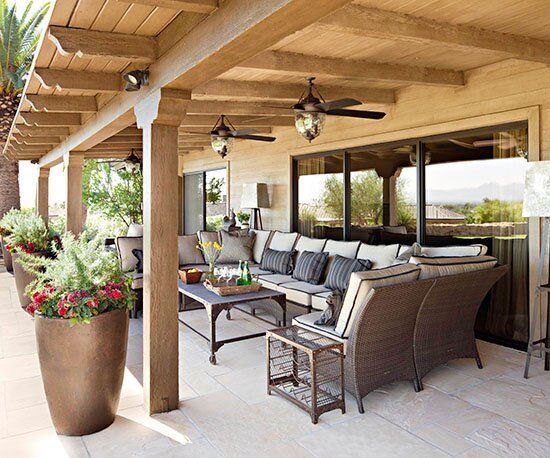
[
  {"x": 131, "y": 163},
  {"x": 311, "y": 110},
  {"x": 223, "y": 136}
]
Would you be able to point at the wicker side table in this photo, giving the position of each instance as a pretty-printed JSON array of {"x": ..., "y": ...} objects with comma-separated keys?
[{"x": 307, "y": 369}]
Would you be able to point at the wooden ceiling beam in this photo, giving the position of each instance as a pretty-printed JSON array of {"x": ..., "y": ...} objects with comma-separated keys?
[
  {"x": 198, "y": 133},
  {"x": 50, "y": 119},
  {"x": 125, "y": 139},
  {"x": 37, "y": 140},
  {"x": 129, "y": 131},
  {"x": 191, "y": 6},
  {"x": 290, "y": 93},
  {"x": 300, "y": 64},
  {"x": 79, "y": 80},
  {"x": 28, "y": 131},
  {"x": 62, "y": 103},
  {"x": 237, "y": 108},
  {"x": 108, "y": 45},
  {"x": 127, "y": 145},
  {"x": 239, "y": 121},
  {"x": 376, "y": 23}
]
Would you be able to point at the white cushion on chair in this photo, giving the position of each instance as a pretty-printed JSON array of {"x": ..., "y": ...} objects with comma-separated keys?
[
  {"x": 319, "y": 300},
  {"x": 301, "y": 292},
  {"x": 308, "y": 322}
]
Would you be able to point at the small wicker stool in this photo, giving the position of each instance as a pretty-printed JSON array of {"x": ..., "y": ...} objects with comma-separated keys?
[{"x": 307, "y": 369}]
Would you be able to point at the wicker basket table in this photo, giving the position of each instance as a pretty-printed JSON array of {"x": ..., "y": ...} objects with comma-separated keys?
[{"x": 307, "y": 369}]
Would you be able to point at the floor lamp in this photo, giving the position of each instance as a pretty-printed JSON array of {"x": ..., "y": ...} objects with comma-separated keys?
[
  {"x": 254, "y": 197},
  {"x": 536, "y": 203}
]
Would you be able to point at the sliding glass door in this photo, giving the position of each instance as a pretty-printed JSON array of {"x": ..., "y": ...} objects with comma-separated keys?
[{"x": 454, "y": 189}]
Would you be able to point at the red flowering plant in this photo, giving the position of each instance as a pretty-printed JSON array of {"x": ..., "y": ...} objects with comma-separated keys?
[
  {"x": 81, "y": 281},
  {"x": 28, "y": 234}
]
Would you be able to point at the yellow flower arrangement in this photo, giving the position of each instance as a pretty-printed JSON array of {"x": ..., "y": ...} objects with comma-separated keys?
[{"x": 211, "y": 251}]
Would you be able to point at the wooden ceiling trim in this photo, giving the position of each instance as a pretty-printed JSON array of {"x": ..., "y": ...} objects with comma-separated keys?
[
  {"x": 192, "y": 6},
  {"x": 37, "y": 140},
  {"x": 236, "y": 108},
  {"x": 62, "y": 103},
  {"x": 51, "y": 119},
  {"x": 90, "y": 43},
  {"x": 300, "y": 64},
  {"x": 27, "y": 131},
  {"x": 376, "y": 23},
  {"x": 79, "y": 80},
  {"x": 255, "y": 90},
  {"x": 238, "y": 121}
]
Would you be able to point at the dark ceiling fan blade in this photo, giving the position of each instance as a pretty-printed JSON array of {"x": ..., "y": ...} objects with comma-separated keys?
[
  {"x": 356, "y": 113},
  {"x": 258, "y": 138},
  {"x": 340, "y": 103},
  {"x": 237, "y": 133}
]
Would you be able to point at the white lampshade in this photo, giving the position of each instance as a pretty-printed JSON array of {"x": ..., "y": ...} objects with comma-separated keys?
[
  {"x": 255, "y": 195},
  {"x": 536, "y": 199}
]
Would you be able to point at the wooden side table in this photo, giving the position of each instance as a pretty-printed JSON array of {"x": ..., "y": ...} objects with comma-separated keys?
[{"x": 307, "y": 369}]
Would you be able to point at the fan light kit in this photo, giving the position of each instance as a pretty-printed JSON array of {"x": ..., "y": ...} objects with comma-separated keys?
[
  {"x": 131, "y": 163},
  {"x": 311, "y": 110},
  {"x": 223, "y": 136},
  {"x": 136, "y": 79}
]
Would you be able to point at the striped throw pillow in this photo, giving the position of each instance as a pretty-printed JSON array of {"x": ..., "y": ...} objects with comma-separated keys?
[
  {"x": 341, "y": 269},
  {"x": 310, "y": 266},
  {"x": 279, "y": 262}
]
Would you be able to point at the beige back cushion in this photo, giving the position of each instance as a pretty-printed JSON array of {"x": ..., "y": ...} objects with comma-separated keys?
[
  {"x": 380, "y": 255},
  {"x": 188, "y": 251},
  {"x": 283, "y": 241},
  {"x": 361, "y": 285},
  {"x": 310, "y": 244},
  {"x": 440, "y": 267},
  {"x": 208, "y": 236},
  {"x": 124, "y": 246},
  {"x": 236, "y": 247},
  {"x": 135, "y": 230},
  {"x": 260, "y": 243},
  {"x": 454, "y": 251}
]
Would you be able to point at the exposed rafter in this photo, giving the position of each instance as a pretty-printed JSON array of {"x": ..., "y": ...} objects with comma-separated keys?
[
  {"x": 371, "y": 22},
  {"x": 238, "y": 121},
  {"x": 300, "y": 64},
  {"x": 198, "y": 132},
  {"x": 51, "y": 119},
  {"x": 37, "y": 140},
  {"x": 27, "y": 131},
  {"x": 192, "y": 6},
  {"x": 78, "y": 80},
  {"x": 63, "y": 103},
  {"x": 262, "y": 91},
  {"x": 236, "y": 108},
  {"x": 91, "y": 43}
]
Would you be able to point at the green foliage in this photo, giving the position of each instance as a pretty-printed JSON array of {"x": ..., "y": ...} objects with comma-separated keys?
[
  {"x": 19, "y": 35},
  {"x": 116, "y": 194},
  {"x": 214, "y": 223},
  {"x": 9, "y": 220},
  {"x": 214, "y": 190},
  {"x": 28, "y": 233},
  {"x": 307, "y": 215},
  {"x": 496, "y": 210},
  {"x": 80, "y": 281},
  {"x": 243, "y": 217}
]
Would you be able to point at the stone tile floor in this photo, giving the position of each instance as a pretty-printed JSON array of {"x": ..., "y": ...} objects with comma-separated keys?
[{"x": 225, "y": 411}]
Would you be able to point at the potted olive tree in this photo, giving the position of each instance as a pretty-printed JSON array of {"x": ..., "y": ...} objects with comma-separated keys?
[
  {"x": 28, "y": 234},
  {"x": 80, "y": 301}
]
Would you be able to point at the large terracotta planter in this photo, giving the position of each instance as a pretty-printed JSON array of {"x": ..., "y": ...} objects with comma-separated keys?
[
  {"x": 82, "y": 369},
  {"x": 23, "y": 278},
  {"x": 7, "y": 257}
]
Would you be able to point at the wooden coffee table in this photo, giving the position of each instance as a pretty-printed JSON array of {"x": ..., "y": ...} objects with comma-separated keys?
[{"x": 215, "y": 305}]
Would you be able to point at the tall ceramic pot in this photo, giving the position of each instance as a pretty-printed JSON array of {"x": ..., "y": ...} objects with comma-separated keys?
[
  {"x": 82, "y": 369},
  {"x": 23, "y": 278},
  {"x": 7, "y": 257}
]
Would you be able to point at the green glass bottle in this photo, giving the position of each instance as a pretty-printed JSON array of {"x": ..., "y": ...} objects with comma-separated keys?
[
  {"x": 241, "y": 279},
  {"x": 247, "y": 274}
]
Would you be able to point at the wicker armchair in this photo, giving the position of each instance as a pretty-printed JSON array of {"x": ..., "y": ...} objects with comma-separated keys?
[
  {"x": 445, "y": 324},
  {"x": 379, "y": 349}
]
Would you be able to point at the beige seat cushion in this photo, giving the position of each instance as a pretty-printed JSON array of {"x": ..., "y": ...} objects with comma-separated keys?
[
  {"x": 188, "y": 251},
  {"x": 273, "y": 280},
  {"x": 442, "y": 266},
  {"x": 319, "y": 300},
  {"x": 236, "y": 247},
  {"x": 361, "y": 285},
  {"x": 124, "y": 246},
  {"x": 308, "y": 322},
  {"x": 261, "y": 242},
  {"x": 301, "y": 292}
]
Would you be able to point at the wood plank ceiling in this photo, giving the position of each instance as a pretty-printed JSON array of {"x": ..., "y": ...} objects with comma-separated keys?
[{"x": 369, "y": 49}]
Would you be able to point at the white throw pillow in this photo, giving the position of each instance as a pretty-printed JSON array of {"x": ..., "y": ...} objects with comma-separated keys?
[{"x": 380, "y": 255}]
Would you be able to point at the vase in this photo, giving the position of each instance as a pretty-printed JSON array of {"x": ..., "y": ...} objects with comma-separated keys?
[
  {"x": 82, "y": 387},
  {"x": 211, "y": 268},
  {"x": 23, "y": 278},
  {"x": 8, "y": 262}
]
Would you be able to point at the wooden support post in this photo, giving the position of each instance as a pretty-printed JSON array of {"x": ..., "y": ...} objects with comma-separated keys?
[
  {"x": 386, "y": 201},
  {"x": 74, "y": 162},
  {"x": 159, "y": 121},
  {"x": 42, "y": 198},
  {"x": 393, "y": 199}
]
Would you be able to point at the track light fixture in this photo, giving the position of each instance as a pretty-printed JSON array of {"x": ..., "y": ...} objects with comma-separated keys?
[{"x": 135, "y": 79}]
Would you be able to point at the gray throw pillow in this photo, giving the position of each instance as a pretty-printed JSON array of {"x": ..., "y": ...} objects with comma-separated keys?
[
  {"x": 334, "y": 305},
  {"x": 279, "y": 262},
  {"x": 341, "y": 269},
  {"x": 236, "y": 247},
  {"x": 310, "y": 266}
]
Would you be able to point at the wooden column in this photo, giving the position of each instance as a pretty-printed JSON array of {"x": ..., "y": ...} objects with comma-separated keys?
[
  {"x": 389, "y": 197},
  {"x": 74, "y": 162},
  {"x": 159, "y": 120},
  {"x": 42, "y": 198}
]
